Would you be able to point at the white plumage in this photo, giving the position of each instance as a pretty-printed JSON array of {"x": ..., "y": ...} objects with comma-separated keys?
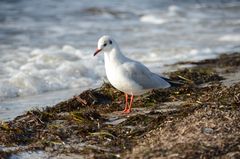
[{"x": 125, "y": 74}]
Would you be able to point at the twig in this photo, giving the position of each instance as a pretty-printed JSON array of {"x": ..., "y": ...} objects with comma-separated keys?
[{"x": 80, "y": 100}]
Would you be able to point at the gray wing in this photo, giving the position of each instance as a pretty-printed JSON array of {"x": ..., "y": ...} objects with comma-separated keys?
[{"x": 143, "y": 76}]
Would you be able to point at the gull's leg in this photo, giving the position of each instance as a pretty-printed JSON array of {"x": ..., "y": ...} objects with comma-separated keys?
[
  {"x": 126, "y": 103},
  {"x": 130, "y": 105},
  {"x": 131, "y": 101}
]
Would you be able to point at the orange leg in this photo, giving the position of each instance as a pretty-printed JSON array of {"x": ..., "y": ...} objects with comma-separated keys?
[
  {"x": 126, "y": 103},
  {"x": 128, "y": 110}
]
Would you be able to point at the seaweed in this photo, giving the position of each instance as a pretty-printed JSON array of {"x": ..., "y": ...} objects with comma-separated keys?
[{"x": 203, "y": 113}]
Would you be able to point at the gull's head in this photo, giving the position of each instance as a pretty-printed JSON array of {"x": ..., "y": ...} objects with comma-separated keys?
[{"x": 105, "y": 44}]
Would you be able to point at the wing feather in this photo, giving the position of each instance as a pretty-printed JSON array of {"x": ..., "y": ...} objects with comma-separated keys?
[{"x": 143, "y": 76}]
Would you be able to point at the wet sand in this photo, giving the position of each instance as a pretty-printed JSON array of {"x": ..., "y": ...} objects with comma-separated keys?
[{"x": 197, "y": 120}]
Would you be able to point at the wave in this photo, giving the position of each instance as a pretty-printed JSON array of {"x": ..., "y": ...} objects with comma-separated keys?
[
  {"x": 153, "y": 19},
  {"x": 230, "y": 38},
  {"x": 48, "y": 70}
]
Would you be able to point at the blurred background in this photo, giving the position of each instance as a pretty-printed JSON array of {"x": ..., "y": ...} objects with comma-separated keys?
[{"x": 47, "y": 46}]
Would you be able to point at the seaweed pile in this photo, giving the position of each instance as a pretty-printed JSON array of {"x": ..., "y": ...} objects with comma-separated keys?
[{"x": 199, "y": 119}]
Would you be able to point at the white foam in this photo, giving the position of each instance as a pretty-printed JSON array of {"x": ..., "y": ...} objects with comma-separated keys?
[
  {"x": 153, "y": 19},
  {"x": 46, "y": 70},
  {"x": 230, "y": 38},
  {"x": 173, "y": 13},
  {"x": 174, "y": 10}
]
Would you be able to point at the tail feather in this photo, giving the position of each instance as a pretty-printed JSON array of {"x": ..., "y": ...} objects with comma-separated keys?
[{"x": 172, "y": 83}]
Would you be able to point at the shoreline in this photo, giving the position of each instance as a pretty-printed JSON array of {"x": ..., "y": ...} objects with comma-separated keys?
[
  {"x": 197, "y": 120},
  {"x": 11, "y": 108}
]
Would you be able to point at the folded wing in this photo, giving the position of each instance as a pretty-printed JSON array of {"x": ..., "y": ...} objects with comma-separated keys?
[{"x": 143, "y": 76}]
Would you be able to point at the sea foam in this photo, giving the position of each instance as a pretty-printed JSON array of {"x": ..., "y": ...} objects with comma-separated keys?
[
  {"x": 230, "y": 38},
  {"x": 46, "y": 70},
  {"x": 153, "y": 19}
]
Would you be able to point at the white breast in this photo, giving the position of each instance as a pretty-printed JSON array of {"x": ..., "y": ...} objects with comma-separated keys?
[{"x": 118, "y": 78}]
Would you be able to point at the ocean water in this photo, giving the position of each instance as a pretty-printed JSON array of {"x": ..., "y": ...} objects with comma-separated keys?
[{"x": 47, "y": 46}]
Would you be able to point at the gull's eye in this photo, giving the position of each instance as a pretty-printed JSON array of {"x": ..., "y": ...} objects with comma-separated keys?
[
  {"x": 105, "y": 44},
  {"x": 110, "y": 41}
]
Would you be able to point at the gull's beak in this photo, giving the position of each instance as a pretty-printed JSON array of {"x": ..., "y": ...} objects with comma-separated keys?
[{"x": 97, "y": 51}]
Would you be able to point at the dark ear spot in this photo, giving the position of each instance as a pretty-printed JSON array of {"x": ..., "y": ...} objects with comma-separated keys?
[{"x": 110, "y": 41}]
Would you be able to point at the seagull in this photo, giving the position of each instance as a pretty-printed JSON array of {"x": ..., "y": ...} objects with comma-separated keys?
[{"x": 127, "y": 75}]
